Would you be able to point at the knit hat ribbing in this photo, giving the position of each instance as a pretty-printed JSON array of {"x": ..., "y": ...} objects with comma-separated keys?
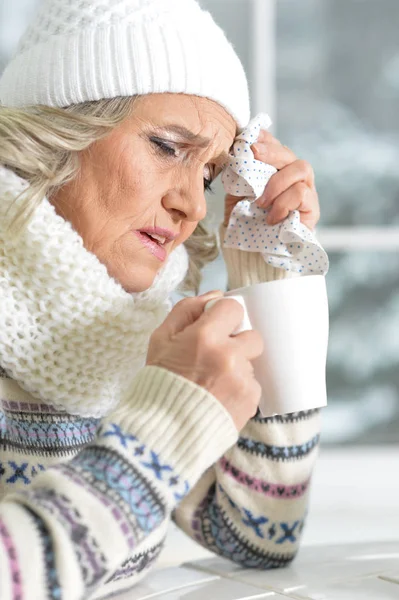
[{"x": 82, "y": 50}]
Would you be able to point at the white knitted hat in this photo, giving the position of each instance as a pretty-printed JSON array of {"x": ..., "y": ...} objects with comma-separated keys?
[{"x": 80, "y": 50}]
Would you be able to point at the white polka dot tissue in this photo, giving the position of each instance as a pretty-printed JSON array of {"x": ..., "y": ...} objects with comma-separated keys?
[
  {"x": 292, "y": 368},
  {"x": 290, "y": 245}
]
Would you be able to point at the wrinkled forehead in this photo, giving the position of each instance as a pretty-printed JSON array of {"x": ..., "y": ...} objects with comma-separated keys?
[{"x": 203, "y": 117}]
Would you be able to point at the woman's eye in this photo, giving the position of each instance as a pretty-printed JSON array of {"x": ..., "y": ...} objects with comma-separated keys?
[
  {"x": 208, "y": 179},
  {"x": 164, "y": 147},
  {"x": 208, "y": 185}
]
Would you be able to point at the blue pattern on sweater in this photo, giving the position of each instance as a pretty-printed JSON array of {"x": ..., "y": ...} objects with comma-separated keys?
[
  {"x": 107, "y": 471},
  {"x": 156, "y": 466},
  {"x": 90, "y": 558},
  {"x": 116, "y": 431},
  {"x": 13, "y": 472},
  {"x": 52, "y": 581},
  {"x": 221, "y": 536},
  {"x": 277, "y": 453},
  {"x": 256, "y": 523},
  {"x": 52, "y": 433},
  {"x": 148, "y": 459}
]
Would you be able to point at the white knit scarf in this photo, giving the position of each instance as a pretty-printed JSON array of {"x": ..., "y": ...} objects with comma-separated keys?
[{"x": 70, "y": 334}]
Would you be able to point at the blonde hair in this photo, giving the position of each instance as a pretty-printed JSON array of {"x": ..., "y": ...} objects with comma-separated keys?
[{"x": 42, "y": 145}]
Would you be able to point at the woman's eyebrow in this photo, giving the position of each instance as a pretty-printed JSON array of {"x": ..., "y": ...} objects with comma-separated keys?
[
  {"x": 194, "y": 138},
  {"x": 189, "y": 136}
]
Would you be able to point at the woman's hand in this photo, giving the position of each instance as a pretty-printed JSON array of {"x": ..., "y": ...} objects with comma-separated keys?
[
  {"x": 198, "y": 345},
  {"x": 291, "y": 188}
]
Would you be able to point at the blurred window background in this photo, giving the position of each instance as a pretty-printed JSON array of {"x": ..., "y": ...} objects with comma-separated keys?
[{"x": 327, "y": 71}]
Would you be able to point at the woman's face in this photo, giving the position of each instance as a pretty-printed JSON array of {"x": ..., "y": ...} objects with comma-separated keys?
[{"x": 140, "y": 191}]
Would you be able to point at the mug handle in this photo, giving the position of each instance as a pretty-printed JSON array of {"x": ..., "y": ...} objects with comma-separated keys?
[{"x": 245, "y": 323}]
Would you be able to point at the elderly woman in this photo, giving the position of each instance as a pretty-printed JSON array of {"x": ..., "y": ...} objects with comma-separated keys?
[{"x": 114, "y": 415}]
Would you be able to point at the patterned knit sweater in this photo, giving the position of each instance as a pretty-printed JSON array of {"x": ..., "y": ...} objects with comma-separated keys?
[{"x": 86, "y": 502}]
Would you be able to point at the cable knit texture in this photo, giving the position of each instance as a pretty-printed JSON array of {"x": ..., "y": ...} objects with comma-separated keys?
[
  {"x": 108, "y": 48},
  {"x": 69, "y": 333}
]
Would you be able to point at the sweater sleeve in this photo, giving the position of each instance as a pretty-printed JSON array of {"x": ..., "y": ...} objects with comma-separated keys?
[
  {"x": 84, "y": 526},
  {"x": 250, "y": 507}
]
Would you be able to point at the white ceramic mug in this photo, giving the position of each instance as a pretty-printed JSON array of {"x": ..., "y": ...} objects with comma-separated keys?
[{"x": 292, "y": 317}]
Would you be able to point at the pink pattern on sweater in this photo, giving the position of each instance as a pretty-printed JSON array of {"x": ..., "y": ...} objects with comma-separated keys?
[
  {"x": 13, "y": 561},
  {"x": 275, "y": 490}
]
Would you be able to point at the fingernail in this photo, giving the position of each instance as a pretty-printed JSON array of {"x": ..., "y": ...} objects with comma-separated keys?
[
  {"x": 212, "y": 294},
  {"x": 255, "y": 147},
  {"x": 263, "y": 203}
]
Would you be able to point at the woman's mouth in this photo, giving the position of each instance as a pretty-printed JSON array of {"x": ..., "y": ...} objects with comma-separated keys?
[{"x": 155, "y": 239}]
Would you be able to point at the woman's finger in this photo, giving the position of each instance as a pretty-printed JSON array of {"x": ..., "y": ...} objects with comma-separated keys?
[
  {"x": 299, "y": 171},
  {"x": 273, "y": 154},
  {"x": 297, "y": 197},
  {"x": 268, "y": 138},
  {"x": 250, "y": 344},
  {"x": 222, "y": 318},
  {"x": 186, "y": 312},
  {"x": 229, "y": 204}
]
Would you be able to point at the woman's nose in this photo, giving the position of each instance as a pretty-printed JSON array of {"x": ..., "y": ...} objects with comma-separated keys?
[{"x": 189, "y": 204}]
